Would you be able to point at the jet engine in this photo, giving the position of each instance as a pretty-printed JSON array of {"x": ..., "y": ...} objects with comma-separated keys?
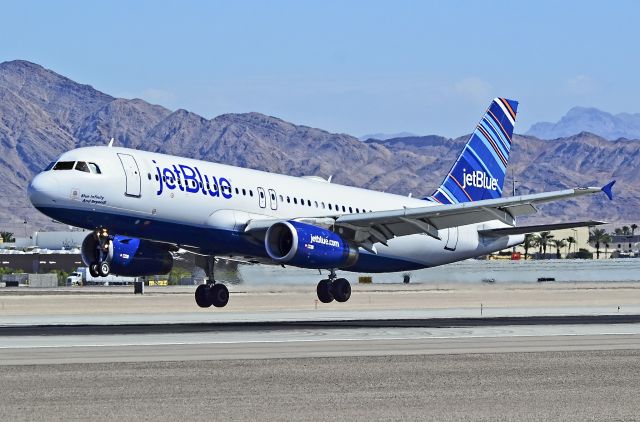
[
  {"x": 308, "y": 246},
  {"x": 128, "y": 256}
]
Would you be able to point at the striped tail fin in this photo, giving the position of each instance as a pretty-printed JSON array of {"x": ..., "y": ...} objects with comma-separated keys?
[{"x": 479, "y": 171}]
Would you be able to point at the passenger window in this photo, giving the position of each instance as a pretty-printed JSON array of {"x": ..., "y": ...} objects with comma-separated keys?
[
  {"x": 64, "y": 165},
  {"x": 261, "y": 194},
  {"x": 237, "y": 193},
  {"x": 316, "y": 203},
  {"x": 357, "y": 210},
  {"x": 343, "y": 209},
  {"x": 295, "y": 201},
  {"x": 281, "y": 199},
  {"x": 82, "y": 166},
  {"x": 329, "y": 206},
  {"x": 250, "y": 193},
  {"x": 288, "y": 200},
  {"x": 350, "y": 210},
  {"x": 309, "y": 202},
  {"x": 322, "y": 203},
  {"x": 244, "y": 192}
]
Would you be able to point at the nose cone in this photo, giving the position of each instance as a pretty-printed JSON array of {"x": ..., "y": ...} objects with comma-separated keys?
[{"x": 43, "y": 189}]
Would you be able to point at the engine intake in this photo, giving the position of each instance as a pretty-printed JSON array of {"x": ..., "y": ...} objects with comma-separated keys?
[
  {"x": 129, "y": 256},
  {"x": 308, "y": 246}
]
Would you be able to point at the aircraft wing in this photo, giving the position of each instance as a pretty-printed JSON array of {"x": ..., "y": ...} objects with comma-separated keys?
[
  {"x": 366, "y": 229},
  {"x": 380, "y": 226}
]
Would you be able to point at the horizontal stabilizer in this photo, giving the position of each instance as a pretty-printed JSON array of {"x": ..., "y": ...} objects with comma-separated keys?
[
  {"x": 538, "y": 228},
  {"x": 608, "y": 189}
]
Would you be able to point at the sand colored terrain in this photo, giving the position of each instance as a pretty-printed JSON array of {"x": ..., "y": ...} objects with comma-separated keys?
[{"x": 174, "y": 300}]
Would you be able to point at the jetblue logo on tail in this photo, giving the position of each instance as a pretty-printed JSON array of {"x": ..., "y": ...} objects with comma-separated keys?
[
  {"x": 480, "y": 169},
  {"x": 478, "y": 179}
]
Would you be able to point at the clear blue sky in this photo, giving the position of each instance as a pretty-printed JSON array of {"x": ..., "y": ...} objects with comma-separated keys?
[{"x": 345, "y": 66}]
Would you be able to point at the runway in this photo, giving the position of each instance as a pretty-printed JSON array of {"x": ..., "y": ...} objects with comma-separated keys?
[
  {"x": 301, "y": 339},
  {"x": 97, "y": 362}
]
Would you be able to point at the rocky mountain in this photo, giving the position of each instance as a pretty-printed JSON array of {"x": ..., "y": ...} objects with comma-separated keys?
[
  {"x": 583, "y": 119},
  {"x": 385, "y": 136},
  {"x": 43, "y": 114}
]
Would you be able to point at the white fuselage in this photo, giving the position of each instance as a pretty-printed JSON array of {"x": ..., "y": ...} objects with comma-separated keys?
[{"x": 137, "y": 193}]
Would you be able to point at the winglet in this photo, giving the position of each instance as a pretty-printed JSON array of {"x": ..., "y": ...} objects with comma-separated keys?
[{"x": 607, "y": 189}]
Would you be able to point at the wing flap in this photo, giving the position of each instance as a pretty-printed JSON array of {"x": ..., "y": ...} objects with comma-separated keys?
[{"x": 538, "y": 228}]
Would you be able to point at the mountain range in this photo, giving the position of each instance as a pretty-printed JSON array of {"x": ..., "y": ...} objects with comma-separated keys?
[
  {"x": 43, "y": 114},
  {"x": 589, "y": 119}
]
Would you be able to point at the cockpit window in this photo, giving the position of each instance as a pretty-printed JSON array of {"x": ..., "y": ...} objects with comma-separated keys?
[
  {"x": 64, "y": 165},
  {"x": 94, "y": 168},
  {"x": 82, "y": 166},
  {"x": 50, "y": 166}
]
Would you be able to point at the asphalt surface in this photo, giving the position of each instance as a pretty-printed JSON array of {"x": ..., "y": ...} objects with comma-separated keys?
[
  {"x": 71, "y": 360},
  {"x": 568, "y": 386}
]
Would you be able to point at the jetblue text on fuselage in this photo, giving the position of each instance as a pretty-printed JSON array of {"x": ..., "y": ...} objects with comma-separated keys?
[
  {"x": 324, "y": 241},
  {"x": 190, "y": 179},
  {"x": 478, "y": 179}
]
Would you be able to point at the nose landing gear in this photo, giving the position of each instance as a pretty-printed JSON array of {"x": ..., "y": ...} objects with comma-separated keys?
[
  {"x": 333, "y": 288},
  {"x": 100, "y": 266}
]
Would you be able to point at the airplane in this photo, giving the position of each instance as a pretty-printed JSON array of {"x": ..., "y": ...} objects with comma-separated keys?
[{"x": 143, "y": 207}]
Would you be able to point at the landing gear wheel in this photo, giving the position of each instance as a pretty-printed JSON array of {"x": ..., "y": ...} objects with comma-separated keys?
[
  {"x": 103, "y": 269},
  {"x": 324, "y": 291},
  {"x": 202, "y": 296},
  {"x": 341, "y": 290},
  {"x": 218, "y": 295},
  {"x": 93, "y": 270}
]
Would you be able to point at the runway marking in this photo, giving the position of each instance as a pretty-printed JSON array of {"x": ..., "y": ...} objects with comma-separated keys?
[{"x": 323, "y": 340}]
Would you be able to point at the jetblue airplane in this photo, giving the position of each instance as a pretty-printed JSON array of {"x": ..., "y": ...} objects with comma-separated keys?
[{"x": 142, "y": 207}]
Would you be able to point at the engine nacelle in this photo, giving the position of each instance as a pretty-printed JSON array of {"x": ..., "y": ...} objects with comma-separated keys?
[
  {"x": 308, "y": 246},
  {"x": 129, "y": 256}
]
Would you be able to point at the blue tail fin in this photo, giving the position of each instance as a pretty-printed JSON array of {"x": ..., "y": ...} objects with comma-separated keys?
[{"x": 479, "y": 171}]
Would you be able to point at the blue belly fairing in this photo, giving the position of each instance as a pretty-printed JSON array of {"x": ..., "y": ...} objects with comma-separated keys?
[{"x": 211, "y": 241}]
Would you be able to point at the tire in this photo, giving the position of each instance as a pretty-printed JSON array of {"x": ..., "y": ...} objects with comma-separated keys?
[
  {"x": 324, "y": 291},
  {"x": 341, "y": 290},
  {"x": 219, "y": 295},
  {"x": 103, "y": 269},
  {"x": 202, "y": 296},
  {"x": 93, "y": 270}
]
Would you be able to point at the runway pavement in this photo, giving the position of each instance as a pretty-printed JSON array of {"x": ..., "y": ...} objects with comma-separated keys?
[{"x": 374, "y": 362}]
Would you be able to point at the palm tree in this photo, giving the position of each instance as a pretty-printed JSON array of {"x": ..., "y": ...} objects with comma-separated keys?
[
  {"x": 634, "y": 226},
  {"x": 7, "y": 237},
  {"x": 542, "y": 240},
  {"x": 529, "y": 241},
  {"x": 626, "y": 230},
  {"x": 570, "y": 241},
  {"x": 618, "y": 231},
  {"x": 558, "y": 244},
  {"x": 598, "y": 237}
]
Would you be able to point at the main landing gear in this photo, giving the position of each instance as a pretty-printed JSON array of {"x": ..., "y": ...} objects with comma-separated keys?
[
  {"x": 100, "y": 266},
  {"x": 211, "y": 293},
  {"x": 333, "y": 288}
]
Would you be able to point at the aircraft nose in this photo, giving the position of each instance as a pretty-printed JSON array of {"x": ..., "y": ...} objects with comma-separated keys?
[{"x": 43, "y": 189}]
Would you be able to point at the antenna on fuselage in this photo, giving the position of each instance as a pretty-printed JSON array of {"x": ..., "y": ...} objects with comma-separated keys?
[
  {"x": 329, "y": 179},
  {"x": 111, "y": 142}
]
